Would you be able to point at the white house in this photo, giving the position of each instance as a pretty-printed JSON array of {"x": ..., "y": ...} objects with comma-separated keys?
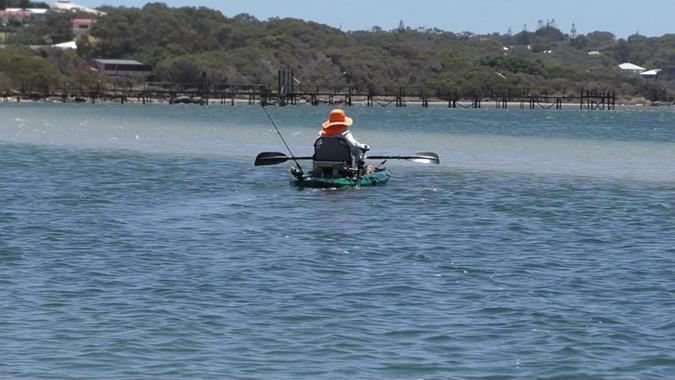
[
  {"x": 66, "y": 5},
  {"x": 629, "y": 67},
  {"x": 38, "y": 14},
  {"x": 650, "y": 74},
  {"x": 66, "y": 45}
]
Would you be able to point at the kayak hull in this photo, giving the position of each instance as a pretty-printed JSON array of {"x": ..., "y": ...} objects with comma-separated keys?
[{"x": 379, "y": 177}]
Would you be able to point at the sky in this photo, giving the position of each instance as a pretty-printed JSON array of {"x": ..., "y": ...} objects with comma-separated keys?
[{"x": 621, "y": 17}]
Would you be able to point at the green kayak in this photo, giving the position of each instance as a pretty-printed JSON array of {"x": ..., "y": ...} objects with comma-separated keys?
[{"x": 379, "y": 177}]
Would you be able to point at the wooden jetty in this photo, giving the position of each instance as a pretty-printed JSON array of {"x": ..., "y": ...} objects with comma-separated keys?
[{"x": 290, "y": 91}]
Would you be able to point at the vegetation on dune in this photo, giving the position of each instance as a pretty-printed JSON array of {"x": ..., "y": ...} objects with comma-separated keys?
[
  {"x": 55, "y": 29},
  {"x": 183, "y": 43},
  {"x": 22, "y": 4},
  {"x": 21, "y": 67}
]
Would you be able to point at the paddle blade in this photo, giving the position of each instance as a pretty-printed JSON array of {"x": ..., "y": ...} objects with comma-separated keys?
[
  {"x": 270, "y": 158},
  {"x": 423, "y": 158},
  {"x": 426, "y": 158}
]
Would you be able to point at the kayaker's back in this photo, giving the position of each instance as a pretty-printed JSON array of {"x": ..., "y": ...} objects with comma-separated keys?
[{"x": 333, "y": 157}]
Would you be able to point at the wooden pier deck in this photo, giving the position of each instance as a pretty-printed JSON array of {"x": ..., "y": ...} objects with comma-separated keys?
[{"x": 290, "y": 93}]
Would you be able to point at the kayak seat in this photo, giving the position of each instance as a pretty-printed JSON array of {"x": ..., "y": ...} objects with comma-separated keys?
[{"x": 332, "y": 158}]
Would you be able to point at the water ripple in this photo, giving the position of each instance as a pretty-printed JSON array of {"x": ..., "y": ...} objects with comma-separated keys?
[{"x": 133, "y": 264}]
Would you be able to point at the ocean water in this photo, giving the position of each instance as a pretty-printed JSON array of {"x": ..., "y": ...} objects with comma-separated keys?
[{"x": 139, "y": 242}]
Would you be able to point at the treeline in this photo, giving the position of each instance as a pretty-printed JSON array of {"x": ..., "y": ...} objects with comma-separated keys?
[
  {"x": 183, "y": 43},
  {"x": 4, "y": 4},
  {"x": 23, "y": 68}
]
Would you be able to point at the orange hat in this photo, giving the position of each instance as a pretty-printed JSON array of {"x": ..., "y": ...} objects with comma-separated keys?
[{"x": 337, "y": 117}]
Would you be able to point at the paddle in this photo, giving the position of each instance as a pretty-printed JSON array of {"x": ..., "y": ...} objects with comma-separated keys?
[
  {"x": 274, "y": 158},
  {"x": 422, "y": 158}
]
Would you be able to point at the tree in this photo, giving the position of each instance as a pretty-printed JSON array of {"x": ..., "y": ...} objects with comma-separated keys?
[
  {"x": 26, "y": 69},
  {"x": 548, "y": 35},
  {"x": 622, "y": 51},
  {"x": 580, "y": 42},
  {"x": 573, "y": 32},
  {"x": 522, "y": 38},
  {"x": 600, "y": 40},
  {"x": 59, "y": 28},
  {"x": 182, "y": 43},
  {"x": 511, "y": 63}
]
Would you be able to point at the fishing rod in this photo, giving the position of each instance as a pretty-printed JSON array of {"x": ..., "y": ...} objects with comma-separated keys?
[{"x": 282, "y": 139}]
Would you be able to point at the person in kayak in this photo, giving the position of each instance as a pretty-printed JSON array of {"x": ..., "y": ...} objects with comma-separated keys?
[
  {"x": 338, "y": 124},
  {"x": 335, "y": 131}
]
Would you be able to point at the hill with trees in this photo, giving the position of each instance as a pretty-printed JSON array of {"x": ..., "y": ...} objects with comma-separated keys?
[{"x": 182, "y": 43}]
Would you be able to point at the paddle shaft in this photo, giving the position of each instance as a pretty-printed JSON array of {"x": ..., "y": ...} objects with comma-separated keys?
[
  {"x": 367, "y": 158},
  {"x": 274, "y": 158},
  {"x": 423, "y": 158},
  {"x": 393, "y": 157}
]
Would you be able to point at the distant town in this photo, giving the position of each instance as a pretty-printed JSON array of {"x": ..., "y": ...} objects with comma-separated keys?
[{"x": 48, "y": 46}]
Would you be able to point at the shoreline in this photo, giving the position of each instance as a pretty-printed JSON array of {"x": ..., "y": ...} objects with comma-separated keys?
[{"x": 488, "y": 104}]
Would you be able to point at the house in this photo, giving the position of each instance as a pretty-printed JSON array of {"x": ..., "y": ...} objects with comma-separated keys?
[
  {"x": 37, "y": 48},
  {"x": 631, "y": 68},
  {"x": 38, "y": 14},
  {"x": 82, "y": 26},
  {"x": 650, "y": 74},
  {"x": 593, "y": 53},
  {"x": 122, "y": 67},
  {"x": 14, "y": 14},
  {"x": 66, "y": 45},
  {"x": 23, "y": 15},
  {"x": 67, "y": 6}
]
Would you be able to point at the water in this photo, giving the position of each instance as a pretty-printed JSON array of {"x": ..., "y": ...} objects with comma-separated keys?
[{"x": 139, "y": 242}]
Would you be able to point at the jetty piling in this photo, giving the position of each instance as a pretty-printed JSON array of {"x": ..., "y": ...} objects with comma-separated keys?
[{"x": 287, "y": 93}]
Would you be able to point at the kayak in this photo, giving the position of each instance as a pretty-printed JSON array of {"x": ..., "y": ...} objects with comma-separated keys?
[{"x": 379, "y": 177}]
